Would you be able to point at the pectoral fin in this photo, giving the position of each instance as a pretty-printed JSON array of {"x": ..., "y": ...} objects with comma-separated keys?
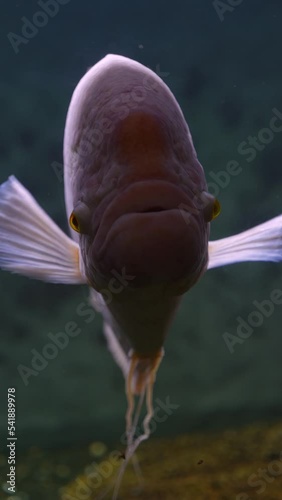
[
  {"x": 31, "y": 243},
  {"x": 263, "y": 242}
]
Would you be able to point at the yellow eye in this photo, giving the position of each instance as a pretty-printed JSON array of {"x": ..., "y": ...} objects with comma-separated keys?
[
  {"x": 74, "y": 223},
  {"x": 80, "y": 218},
  {"x": 216, "y": 209},
  {"x": 211, "y": 206}
]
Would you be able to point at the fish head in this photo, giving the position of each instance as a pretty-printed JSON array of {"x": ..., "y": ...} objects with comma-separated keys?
[{"x": 145, "y": 209}]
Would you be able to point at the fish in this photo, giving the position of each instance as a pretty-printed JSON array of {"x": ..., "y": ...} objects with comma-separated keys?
[{"x": 139, "y": 215}]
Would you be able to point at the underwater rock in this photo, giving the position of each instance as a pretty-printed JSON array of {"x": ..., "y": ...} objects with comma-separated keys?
[{"x": 233, "y": 464}]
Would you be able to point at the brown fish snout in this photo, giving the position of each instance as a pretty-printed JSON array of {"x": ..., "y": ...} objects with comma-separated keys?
[{"x": 145, "y": 231}]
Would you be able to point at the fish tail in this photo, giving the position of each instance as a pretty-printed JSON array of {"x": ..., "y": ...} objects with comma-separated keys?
[
  {"x": 260, "y": 243},
  {"x": 32, "y": 244}
]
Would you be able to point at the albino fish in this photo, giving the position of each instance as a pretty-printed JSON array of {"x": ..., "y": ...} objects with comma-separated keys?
[{"x": 139, "y": 212}]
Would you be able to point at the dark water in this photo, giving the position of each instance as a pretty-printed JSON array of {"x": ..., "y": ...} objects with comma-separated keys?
[{"x": 224, "y": 66}]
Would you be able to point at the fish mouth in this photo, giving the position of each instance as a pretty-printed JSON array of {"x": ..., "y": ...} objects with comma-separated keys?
[
  {"x": 144, "y": 232},
  {"x": 140, "y": 199}
]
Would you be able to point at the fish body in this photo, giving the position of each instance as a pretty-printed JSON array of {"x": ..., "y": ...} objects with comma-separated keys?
[
  {"x": 139, "y": 212},
  {"x": 129, "y": 157}
]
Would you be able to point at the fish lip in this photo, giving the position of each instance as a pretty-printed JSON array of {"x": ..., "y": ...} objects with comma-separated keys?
[{"x": 139, "y": 198}]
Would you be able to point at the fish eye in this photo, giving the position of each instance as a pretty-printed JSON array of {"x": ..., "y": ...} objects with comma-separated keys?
[
  {"x": 211, "y": 206},
  {"x": 216, "y": 209},
  {"x": 80, "y": 218},
  {"x": 74, "y": 224}
]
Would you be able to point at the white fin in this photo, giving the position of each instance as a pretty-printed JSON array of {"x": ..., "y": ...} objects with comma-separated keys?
[
  {"x": 263, "y": 242},
  {"x": 117, "y": 350},
  {"x": 31, "y": 243}
]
